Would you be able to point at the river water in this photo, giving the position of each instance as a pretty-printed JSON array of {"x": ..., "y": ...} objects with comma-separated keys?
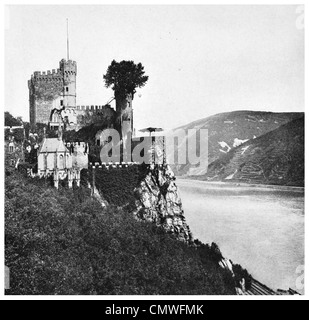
[{"x": 260, "y": 228}]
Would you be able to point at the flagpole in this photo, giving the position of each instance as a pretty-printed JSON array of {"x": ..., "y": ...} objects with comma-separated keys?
[{"x": 68, "y": 40}]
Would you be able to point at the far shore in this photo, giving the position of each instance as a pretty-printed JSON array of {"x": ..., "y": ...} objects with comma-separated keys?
[{"x": 241, "y": 184}]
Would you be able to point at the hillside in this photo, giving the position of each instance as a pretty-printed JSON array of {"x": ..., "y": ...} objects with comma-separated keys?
[
  {"x": 64, "y": 243},
  {"x": 228, "y": 130},
  {"x": 274, "y": 158}
]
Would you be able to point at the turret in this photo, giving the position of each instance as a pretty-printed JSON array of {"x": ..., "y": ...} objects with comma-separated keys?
[{"x": 68, "y": 68}]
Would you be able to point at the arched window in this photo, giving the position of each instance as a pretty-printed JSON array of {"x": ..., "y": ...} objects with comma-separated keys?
[
  {"x": 55, "y": 117},
  {"x": 11, "y": 147},
  {"x": 61, "y": 161}
]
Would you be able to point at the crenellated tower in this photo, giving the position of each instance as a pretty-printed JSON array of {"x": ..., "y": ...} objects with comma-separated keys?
[
  {"x": 68, "y": 69},
  {"x": 52, "y": 90}
]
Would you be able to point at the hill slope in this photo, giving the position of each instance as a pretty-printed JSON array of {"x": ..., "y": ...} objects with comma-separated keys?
[
  {"x": 274, "y": 158},
  {"x": 65, "y": 243},
  {"x": 227, "y": 130}
]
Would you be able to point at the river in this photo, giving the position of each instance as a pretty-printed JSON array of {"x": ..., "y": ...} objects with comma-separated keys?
[{"x": 260, "y": 228}]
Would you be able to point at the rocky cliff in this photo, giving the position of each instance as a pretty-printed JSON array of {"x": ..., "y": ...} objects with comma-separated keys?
[
  {"x": 158, "y": 201},
  {"x": 150, "y": 191}
]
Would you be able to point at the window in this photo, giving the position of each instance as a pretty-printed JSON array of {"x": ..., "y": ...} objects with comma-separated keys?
[
  {"x": 67, "y": 89},
  {"x": 61, "y": 102},
  {"x": 61, "y": 162}
]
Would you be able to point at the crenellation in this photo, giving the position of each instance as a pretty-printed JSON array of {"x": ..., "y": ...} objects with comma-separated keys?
[
  {"x": 46, "y": 78},
  {"x": 113, "y": 165},
  {"x": 47, "y": 75}
]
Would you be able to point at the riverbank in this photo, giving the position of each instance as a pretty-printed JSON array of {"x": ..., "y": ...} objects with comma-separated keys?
[{"x": 244, "y": 185}]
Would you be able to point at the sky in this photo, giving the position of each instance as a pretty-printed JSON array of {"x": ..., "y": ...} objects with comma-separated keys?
[{"x": 201, "y": 60}]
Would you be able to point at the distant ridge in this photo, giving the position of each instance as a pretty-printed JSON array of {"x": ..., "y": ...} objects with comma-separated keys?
[
  {"x": 274, "y": 158},
  {"x": 228, "y": 130}
]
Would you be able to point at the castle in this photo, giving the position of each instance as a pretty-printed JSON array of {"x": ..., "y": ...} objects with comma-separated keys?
[{"x": 52, "y": 99}]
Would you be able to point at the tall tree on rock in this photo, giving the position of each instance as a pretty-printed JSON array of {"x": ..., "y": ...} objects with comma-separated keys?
[{"x": 124, "y": 78}]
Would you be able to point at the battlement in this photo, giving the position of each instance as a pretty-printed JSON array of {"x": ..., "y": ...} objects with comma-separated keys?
[
  {"x": 67, "y": 62},
  {"x": 112, "y": 165},
  {"x": 68, "y": 67},
  {"x": 93, "y": 108},
  {"x": 49, "y": 72},
  {"x": 120, "y": 165},
  {"x": 47, "y": 76}
]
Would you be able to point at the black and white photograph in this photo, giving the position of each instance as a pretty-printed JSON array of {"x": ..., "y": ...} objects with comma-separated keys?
[{"x": 154, "y": 150}]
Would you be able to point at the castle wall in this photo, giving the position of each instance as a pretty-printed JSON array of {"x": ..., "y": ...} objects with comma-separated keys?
[
  {"x": 85, "y": 115},
  {"x": 45, "y": 94}
]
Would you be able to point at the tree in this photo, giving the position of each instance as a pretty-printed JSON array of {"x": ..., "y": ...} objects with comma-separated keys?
[
  {"x": 124, "y": 77},
  {"x": 10, "y": 121}
]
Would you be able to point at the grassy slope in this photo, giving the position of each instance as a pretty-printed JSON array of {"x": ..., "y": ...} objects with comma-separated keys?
[{"x": 63, "y": 242}]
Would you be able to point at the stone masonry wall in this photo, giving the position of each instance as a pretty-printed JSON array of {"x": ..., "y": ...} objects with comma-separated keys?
[{"x": 45, "y": 93}]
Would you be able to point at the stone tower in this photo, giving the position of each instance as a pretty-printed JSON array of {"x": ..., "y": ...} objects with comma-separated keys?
[
  {"x": 69, "y": 70},
  {"x": 51, "y": 90},
  {"x": 124, "y": 114}
]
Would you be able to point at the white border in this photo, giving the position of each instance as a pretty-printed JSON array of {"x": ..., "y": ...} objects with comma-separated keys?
[{"x": 175, "y": 298}]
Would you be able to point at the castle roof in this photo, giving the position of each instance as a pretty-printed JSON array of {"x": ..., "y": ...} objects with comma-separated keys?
[{"x": 53, "y": 145}]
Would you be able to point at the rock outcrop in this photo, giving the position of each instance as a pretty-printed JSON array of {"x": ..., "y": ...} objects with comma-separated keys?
[{"x": 158, "y": 201}]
